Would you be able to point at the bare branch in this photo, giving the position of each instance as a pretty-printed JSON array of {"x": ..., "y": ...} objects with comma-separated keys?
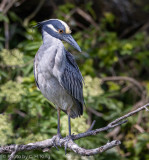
[
  {"x": 111, "y": 125},
  {"x": 2, "y": 5},
  {"x": 88, "y": 152},
  {"x": 120, "y": 78},
  {"x": 6, "y": 31},
  {"x": 141, "y": 89},
  {"x": 13, "y": 153},
  {"x": 130, "y": 114},
  {"x": 87, "y": 17},
  {"x": 47, "y": 144},
  {"x": 8, "y": 6},
  {"x": 91, "y": 127},
  {"x": 33, "y": 14},
  {"x": 98, "y": 114}
]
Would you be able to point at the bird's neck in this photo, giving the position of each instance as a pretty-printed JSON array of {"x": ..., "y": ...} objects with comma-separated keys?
[
  {"x": 54, "y": 52},
  {"x": 49, "y": 40}
]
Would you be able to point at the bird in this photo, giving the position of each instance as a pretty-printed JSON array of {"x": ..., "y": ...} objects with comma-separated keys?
[{"x": 56, "y": 72}]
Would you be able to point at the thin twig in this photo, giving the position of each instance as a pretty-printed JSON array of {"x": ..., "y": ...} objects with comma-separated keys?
[
  {"x": 8, "y": 6},
  {"x": 3, "y": 4},
  {"x": 6, "y": 31},
  {"x": 13, "y": 153},
  {"x": 98, "y": 114},
  {"x": 110, "y": 125},
  {"x": 87, "y": 17},
  {"x": 91, "y": 127},
  {"x": 141, "y": 89},
  {"x": 130, "y": 114},
  {"x": 33, "y": 14},
  {"x": 120, "y": 78}
]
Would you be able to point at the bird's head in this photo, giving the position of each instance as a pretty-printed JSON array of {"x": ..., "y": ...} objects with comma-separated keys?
[{"x": 60, "y": 30}]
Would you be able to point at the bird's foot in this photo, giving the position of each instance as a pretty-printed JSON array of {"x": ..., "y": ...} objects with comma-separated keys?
[
  {"x": 56, "y": 141},
  {"x": 68, "y": 138}
]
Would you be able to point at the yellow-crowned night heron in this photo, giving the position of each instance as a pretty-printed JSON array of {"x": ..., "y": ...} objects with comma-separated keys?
[{"x": 56, "y": 72}]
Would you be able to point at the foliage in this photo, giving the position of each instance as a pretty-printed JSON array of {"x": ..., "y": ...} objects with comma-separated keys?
[
  {"x": 6, "y": 130},
  {"x": 27, "y": 116}
]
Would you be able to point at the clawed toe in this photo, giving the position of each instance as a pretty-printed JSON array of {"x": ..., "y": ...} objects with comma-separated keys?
[
  {"x": 66, "y": 145},
  {"x": 59, "y": 137},
  {"x": 54, "y": 144},
  {"x": 57, "y": 141}
]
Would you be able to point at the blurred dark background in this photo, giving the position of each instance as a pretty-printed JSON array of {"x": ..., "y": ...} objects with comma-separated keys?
[{"x": 114, "y": 38}]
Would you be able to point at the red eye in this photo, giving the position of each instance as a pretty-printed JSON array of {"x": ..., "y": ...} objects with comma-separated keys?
[{"x": 60, "y": 31}]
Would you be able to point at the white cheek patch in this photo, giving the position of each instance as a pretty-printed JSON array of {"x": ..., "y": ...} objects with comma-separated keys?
[
  {"x": 67, "y": 29},
  {"x": 52, "y": 27}
]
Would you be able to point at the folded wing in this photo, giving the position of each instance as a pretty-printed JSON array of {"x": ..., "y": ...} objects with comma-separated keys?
[{"x": 71, "y": 80}]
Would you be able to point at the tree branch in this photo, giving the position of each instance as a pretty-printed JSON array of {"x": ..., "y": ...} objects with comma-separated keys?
[
  {"x": 13, "y": 153},
  {"x": 141, "y": 89},
  {"x": 46, "y": 144},
  {"x": 120, "y": 78},
  {"x": 33, "y": 14},
  {"x": 98, "y": 114}
]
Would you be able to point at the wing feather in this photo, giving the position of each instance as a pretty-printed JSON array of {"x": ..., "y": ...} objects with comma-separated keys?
[{"x": 72, "y": 80}]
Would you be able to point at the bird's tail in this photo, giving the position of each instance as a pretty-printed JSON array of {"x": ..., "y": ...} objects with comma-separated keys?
[{"x": 76, "y": 110}]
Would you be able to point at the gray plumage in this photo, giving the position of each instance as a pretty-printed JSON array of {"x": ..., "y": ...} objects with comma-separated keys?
[{"x": 56, "y": 72}]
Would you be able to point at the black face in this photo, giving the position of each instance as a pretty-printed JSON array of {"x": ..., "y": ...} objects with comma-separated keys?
[{"x": 60, "y": 30}]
